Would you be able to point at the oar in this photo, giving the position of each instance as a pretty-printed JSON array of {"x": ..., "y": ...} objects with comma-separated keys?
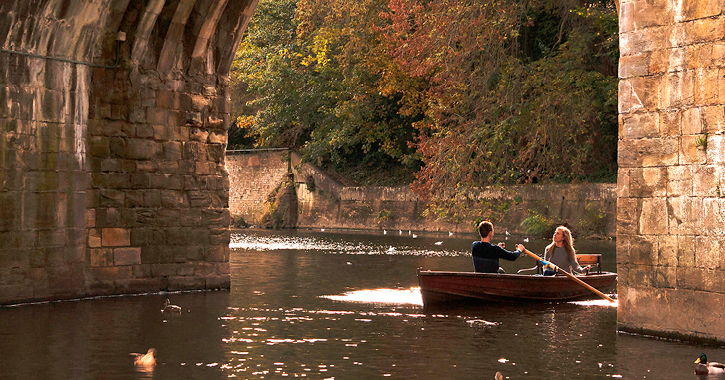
[{"x": 571, "y": 276}]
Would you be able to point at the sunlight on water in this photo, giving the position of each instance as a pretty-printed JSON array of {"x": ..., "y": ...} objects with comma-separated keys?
[
  {"x": 253, "y": 242},
  {"x": 410, "y": 296},
  {"x": 599, "y": 302}
]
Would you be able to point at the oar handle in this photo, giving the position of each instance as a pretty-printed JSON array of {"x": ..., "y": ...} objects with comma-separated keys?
[{"x": 571, "y": 276}]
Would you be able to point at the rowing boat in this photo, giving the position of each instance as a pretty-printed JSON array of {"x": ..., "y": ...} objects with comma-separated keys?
[{"x": 444, "y": 287}]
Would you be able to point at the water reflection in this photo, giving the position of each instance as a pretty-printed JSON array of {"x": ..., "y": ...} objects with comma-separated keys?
[
  {"x": 410, "y": 296},
  {"x": 333, "y": 305}
]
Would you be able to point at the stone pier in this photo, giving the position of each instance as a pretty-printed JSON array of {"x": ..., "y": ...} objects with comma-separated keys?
[
  {"x": 113, "y": 127},
  {"x": 671, "y": 205}
]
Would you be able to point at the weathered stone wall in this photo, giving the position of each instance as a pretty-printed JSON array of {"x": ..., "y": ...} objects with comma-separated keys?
[
  {"x": 671, "y": 208},
  {"x": 253, "y": 176},
  {"x": 113, "y": 128},
  {"x": 328, "y": 204}
]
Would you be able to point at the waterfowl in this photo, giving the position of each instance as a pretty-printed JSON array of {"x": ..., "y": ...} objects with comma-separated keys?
[
  {"x": 147, "y": 359},
  {"x": 705, "y": 368},
  {"x": 499, "y": 376},
  {"x": 168, "y": 307}
]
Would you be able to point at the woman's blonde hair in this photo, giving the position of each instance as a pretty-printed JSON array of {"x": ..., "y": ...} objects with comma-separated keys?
[{"x": 568, "y": 245}]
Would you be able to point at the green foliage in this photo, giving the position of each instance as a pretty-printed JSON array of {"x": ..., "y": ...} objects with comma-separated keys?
[
  {"x": 526, "y": 92},
  {"x": 315, "y": 77},
  {"x": 451, "y": 95},
  {"x": 538, "y": 224},
  {"x": 593, "y": 221},
  {"x": 701, "y": 141}
]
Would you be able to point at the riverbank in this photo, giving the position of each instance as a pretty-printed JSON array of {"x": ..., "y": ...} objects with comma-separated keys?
[{"x": 267, "y": 190}]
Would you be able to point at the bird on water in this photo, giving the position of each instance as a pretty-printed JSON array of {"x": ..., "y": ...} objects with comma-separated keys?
[
  {"x": 169, "y": 308},
  {"x": 148, "y": 359},
  {"x": 708, "y": 368}
]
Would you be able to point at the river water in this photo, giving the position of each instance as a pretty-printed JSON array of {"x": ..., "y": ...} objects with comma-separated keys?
[{"x": 326, "y": 305}]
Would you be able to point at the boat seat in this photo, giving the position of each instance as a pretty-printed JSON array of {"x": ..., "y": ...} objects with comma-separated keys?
[{"x": 593, "y": 259}]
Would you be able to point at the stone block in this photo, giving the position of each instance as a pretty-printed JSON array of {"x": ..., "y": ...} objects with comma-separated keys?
[
  {"x": 94, "y": 238},
  {"x": 194, "y": 151},
  {"x": 627, "y": 16},
  {"x": 127, "y": 255},
  {"x": 715, "y": 150},
  {"x": 648, "y": 182},
  {"x": 142, "y": 149},
  {"x": 199, "y": 199},
  {"x": 668, "y": 249},
  {"x": 218, "y": 282},
  {"x": 644, "y": 40},
  {"x": 704, "y": 30},
  {"x": 178, "y": 236},
  {"x": 713, "y": 119},
  {"x": 198, "y": 134},
  {"x": 676, "y": 90},
  {"x": 197, "y": 102},
  {"x": 706, "y": 181},
  {"x": 690, "y": 278},
  {"x": 152, "y": 198},
  {"x": 665, "y": 277},
  {"x": 640, "y": 125},
  {"x": 699, "y": 9},
  {"x": 648, "y": 152},
  {"x": 158, "y": 254},
  {"x": 161, "y": 132},
  {"x": 173, "y": 199},
  {"x": 679, "y": 181},
  {"x": 217, "y": 254},
  {"x": 641, "y": 276},
  {"x": 707, "y": 253},
  {"x": 172, "y": 150},
  {"x": 99, "y": 147},
  {"x": 634, "y": 65},
  {"x": 145, "y": 131},
  {"x": 168, "y": 167},
  {"x": 654, "y": 217},
  {"x": 116, "y": 237},
  {"x": 686, "y": 250},
  {"x": 692, "y": 121},
  {"x": 706, "y": 86},
  {"x": 639, "y": 94},
  {"x": 185, "y": 283},
  {"x": 713, "y": 217},
  {"x": 691, "y": 150},
  {"x": 118, "y": 147},
  {"x": 157, "y": 116},
  {"x": 683, "y": 214},
  {"x": 101, "y": 257}
]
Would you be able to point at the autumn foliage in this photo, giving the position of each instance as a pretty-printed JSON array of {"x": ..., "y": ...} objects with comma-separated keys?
[{"x": 450, "y": 95}]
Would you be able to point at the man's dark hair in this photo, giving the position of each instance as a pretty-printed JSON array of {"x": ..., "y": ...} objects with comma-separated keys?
[{"x": 485, "y": 228}]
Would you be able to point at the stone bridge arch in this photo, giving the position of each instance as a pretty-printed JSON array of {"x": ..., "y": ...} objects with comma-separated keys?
[{"x": 113, "y": 121}]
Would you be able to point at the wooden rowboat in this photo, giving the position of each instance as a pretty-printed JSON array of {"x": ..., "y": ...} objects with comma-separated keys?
[{"x": 444, "y": 287}]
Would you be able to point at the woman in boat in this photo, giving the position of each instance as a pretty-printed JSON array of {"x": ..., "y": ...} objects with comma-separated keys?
[
  {"x": 561, "y": 253},
  {"x": 486, "y": 255}
]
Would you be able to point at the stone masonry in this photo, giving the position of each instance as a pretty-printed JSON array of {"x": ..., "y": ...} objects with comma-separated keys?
[
  {"x": 113, "y": 128},
  {"x": 671, "y": 194},
  {"x": 253, "y": 177}
]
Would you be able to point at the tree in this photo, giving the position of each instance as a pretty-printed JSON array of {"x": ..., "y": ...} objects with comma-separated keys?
[
  {"x": 331, "y": 91},
  {"x": 504, "y": 107}
]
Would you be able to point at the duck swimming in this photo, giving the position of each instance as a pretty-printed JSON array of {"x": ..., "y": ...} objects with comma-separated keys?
[
  {"x": 706, "y": 368},
  {"x": 168, "y": 307},
  {"x": 148, "y": 359}
]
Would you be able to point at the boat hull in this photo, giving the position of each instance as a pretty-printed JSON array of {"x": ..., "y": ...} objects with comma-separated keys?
[{"x": 445, "y": 287}]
